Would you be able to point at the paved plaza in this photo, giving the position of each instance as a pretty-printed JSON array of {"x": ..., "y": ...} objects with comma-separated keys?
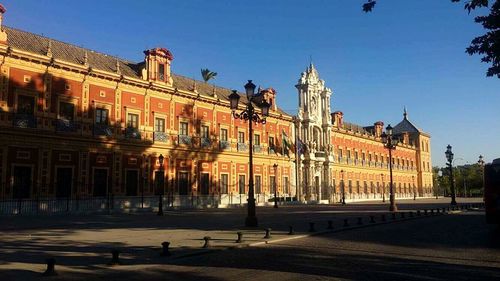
[{"x": 82, "y": 244}]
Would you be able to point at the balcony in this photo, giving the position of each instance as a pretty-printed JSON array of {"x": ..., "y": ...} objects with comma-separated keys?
[
  {"x": 132, "y": 133},
  {"x": 205, "y": 142},
  {"x": 65, "y": 125},
  {"x": 271, "y": 150},
  {"x": 224, "y": 144},
  {"x": 24, "y": 121},
  {"x": 185, "y": 139},
  {"x": 242, "y": 146},
  {"x": 257, "y": 148},
  {"x": 102, "y": 130},
  {"x": 160, "y": 136}
]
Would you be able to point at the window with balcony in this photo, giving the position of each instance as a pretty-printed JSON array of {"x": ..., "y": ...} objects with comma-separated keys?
[
  {"x": 65, "y": 121},
  {"x": 183, "y": 128},
  {"x": 223, "y": 134},
  {"x": 256, "y": 139},
  {"x": 25, "y": 115},
  {"x": 101, "y": 122},
  {"x": 159, "y": 127},
  {"x": 159, "y": 124},
  {"x": 204, "y": 134},
  {"x": 101, "y": 116},
  {"x": 133, "y": 120},
  {"x": 241, "y": 137}
]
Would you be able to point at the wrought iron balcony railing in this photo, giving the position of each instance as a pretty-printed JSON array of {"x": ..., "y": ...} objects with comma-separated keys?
[
  {"x": 160, "y": 136},
  {"x": 205, "y": 142},
  {"x": 102, "y": 130},
  {"x": 257, "y": 148},
  {"x": 24, "y": 121},
  {"x": 65, "y": 125},
  {"x": 185, "y": 139},
  {"x": 224, "y": 145},
  {"x": 132, "y": 133},
  {"x": 242, "y": 146}
]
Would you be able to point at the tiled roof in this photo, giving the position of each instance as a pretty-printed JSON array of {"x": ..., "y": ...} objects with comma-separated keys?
[
  {"x": 37, "y": 44},
  {"x": 405, "y": 126}
]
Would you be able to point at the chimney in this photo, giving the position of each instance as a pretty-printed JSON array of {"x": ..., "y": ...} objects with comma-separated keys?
[
  {"x": 338, "y": 119},
  {"x": 378, "y": 127},
  {"x": 3, "y": 34},
  {"x": 269, "y": 95}
]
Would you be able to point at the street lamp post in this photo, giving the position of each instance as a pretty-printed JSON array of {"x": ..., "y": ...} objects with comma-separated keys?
[
  {"x": 249, "y": 114},
  {"x": 480, "y": 162},
  {"x": 160, "y": 187},
  {"x": 343, "y": 187},
  {"x": 440, "y": 174},
  {"x": 449, "y": 157},
  {"x": 275, "y": 166},
  {"x": 390, "y": 144}
]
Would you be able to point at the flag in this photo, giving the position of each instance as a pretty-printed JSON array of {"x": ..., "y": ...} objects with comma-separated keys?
[
  {"x": 299, "y": 147},
  {"x": 286, "y": 144}
]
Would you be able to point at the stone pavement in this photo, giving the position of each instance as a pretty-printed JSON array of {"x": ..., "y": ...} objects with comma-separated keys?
[{"x": 85, "y": 242}]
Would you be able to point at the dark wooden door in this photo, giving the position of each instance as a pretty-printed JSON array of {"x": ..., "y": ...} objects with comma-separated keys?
[
  {"x": 63, "y": 182},
  {"x": 132, "y": 182},
  {"x": 183, "y": 183},
  {"x": 204, "y": 183},
  {"x": 100, "y": 182},
  {"x": 22, "y": 182}
]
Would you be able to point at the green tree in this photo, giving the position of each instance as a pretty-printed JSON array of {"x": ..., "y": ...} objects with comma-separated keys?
[
  {"x": 487, "y": 45},
  {"x": 207, "y": 74}
]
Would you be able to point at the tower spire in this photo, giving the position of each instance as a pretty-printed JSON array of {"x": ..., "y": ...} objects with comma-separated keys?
[{"x": 405, "y": 113}]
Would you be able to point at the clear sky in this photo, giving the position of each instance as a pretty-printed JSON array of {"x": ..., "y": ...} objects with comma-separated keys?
[{"x": 405, "y": 53}]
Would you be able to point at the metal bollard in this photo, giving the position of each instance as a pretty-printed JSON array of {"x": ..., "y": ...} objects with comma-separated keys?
[
  {"x": 418, "y": 213},
  {"x": 410, "y": 214},
  {"x": 393, "y": 216},
  {"x": 207, "y": 242},
  {"x": 437, "y": 211},
  {"x": 330, "y": 225},
  {"x": 443, "y": 210},
  {"x": 425, "y": 212},
  {"x": 311, "y": 227},
  {"x": 268, "y": 233},
  {"x": 51, "y": 270},
  {"x": 360, "y": 221},
  {"x": 115, "y": 257},
  {"x": 240, "y": 237},
  {"x": 402, "y": 215},
  {"x": 346, "y": 223},
  {"x": 372, "y": 219},
  {"x": 165, "y": 252},
  {"x": 432, "y": 212},
  {"x": 290, "y": 230},
  {"x": 383, "y": 217}
]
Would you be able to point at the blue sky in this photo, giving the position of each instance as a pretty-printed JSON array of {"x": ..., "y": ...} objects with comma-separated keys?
[{"x": 405, "y": 53}]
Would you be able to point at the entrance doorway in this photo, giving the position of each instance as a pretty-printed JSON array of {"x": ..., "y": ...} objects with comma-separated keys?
[
  {"x": 22, "y": 182},
  {"x": 64, "y": 180},
  {"x": 132, "y": 182},
  {"x": 100, "y": 182}
]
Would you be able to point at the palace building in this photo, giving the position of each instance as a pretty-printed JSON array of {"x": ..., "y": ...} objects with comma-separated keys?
[
  {"x": 75, "y": 123},
  {"x": 338, "y": 157}
]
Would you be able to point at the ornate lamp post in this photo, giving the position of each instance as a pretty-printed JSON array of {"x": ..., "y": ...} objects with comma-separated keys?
[
  {"x": 343, "y": 187},
  {"x": 160, "y": 187},
  {"x": 449, "y": 157},
  {"x": 390, "y": 144},
  {"x": 275, "y": 166},
  {"x": 480, "y": 162},
  {"x": 249, "y": 114}
]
